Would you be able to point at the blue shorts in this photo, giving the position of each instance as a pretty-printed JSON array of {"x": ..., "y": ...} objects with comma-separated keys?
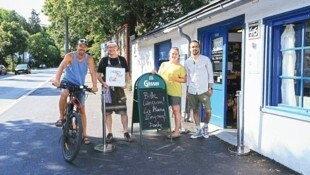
[
  {"x": 79, "y": 94},
  {"x": 173, "y": 100}
]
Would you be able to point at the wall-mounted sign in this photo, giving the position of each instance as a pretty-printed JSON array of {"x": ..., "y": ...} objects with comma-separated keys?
[
  {"x": 217, "y": 44},
  {"x": 217, "y": 48},
  {"x": 254, "y": 29}
]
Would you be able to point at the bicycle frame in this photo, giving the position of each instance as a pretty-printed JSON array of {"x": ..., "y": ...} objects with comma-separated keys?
[
  {"x": 72, "y": 127},
  {"x": 73, "y": 100}
]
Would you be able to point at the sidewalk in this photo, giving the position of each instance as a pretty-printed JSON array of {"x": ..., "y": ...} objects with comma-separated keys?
[{"x": 158, "y": 155}]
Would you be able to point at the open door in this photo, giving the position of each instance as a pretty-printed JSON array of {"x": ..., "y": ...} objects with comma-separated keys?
[{"x": 217, "y": 41}]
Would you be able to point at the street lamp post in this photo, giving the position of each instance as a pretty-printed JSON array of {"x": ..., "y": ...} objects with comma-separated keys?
[{"x": 67, "y": 35}]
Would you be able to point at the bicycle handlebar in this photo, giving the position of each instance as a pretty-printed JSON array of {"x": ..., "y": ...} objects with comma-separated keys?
[{"x": 73, "y": 88}]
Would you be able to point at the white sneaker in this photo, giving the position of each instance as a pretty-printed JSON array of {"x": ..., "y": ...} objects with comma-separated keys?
[
  {"x": 197, "y": 134},
  {"x": 205, "y": 131}
]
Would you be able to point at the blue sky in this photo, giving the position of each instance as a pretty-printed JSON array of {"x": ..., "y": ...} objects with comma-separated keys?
[{"x": 24, "y": 7}]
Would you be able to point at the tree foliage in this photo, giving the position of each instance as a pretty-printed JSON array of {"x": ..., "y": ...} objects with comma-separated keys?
[
  {"x": 98, "y": 20},
  {"x": 13, "y": 39},
  {"x": 34, "y": 23},
  {"x": 11, "y": 32},
  {"x": 18, "y": 36},
  {"x": 43, "y": 50}
]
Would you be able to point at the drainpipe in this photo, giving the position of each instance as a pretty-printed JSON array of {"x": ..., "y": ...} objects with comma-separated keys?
[
  {"x": 187, "y": 113},
  {"x": 187, "y": 37}
]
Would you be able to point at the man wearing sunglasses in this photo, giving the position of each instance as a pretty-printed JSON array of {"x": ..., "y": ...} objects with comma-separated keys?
[{"x": 76, "y": 65}]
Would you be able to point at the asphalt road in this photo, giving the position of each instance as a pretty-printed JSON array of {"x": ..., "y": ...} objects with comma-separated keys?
[{"x": 30, "y": 145}]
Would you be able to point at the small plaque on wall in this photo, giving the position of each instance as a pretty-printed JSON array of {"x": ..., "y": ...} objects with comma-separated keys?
[{"x": 254, "y": 30}]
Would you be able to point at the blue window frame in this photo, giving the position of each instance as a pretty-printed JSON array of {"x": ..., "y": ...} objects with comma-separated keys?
[{"x": 288, "y": 62}]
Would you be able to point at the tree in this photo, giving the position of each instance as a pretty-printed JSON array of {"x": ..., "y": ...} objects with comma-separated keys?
[
  {"x": 12, "y": 28},
  {"x": 98, "y": 20},
  {"x": 13, "y": 39},
  {"x": 147, "y": 15},
  {"x": 34, "y": 23},
  {"x": 43, "y": 49}
]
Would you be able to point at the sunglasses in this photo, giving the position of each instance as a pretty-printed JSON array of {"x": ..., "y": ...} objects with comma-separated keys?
[{"x": 83, "y": 41}]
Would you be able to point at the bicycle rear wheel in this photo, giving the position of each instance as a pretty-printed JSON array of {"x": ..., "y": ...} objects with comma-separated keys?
[{"x": 72, "y": 137}]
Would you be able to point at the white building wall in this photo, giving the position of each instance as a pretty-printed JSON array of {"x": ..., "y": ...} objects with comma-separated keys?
[
  {"x": 284, "y": 139},
  {"x": 278, "y": 137}
]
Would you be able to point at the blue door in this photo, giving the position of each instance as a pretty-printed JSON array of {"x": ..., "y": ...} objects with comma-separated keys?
[{"x": 214, "y": 44}]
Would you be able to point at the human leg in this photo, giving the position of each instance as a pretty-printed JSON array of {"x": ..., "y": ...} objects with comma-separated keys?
[
  {"x": 109, "y": 122},
  {"x": 84, "y": 121},
  {"x": 177, "y": 120},
  {"x": 109, "y": 127},
  {"x": 197, "y": 122},
  {"x": 207, "y": 116},
  {"x": 193, "y": 104},
  {"x": 175, "y": 103},
  {"x": 84, "y": 125},
  {"x": 206, "y": 103},
  {"x": 62, "y": 107},
  {"x": 124, "y": 120},
  {"x": 82, "y": 112},
  {"x": 205, "y": 127}
]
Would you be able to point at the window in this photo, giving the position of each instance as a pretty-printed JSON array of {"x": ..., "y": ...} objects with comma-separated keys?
[
  {"x": 161, "y": 53},
  {"x": 288, "y": 61}
]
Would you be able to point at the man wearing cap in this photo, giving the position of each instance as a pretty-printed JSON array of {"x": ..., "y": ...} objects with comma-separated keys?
[
  {"x": 76, "y": 65},
  {"x": 118, "y": 103}
]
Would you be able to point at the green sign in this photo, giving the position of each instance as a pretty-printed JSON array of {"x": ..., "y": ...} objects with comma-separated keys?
[
  {"x": 150, "y": 104},
  {"x": 150, "y": 81}
]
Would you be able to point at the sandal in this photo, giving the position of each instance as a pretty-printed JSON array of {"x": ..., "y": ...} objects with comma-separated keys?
[
  {"x": 127, "y": 137},
  {"x": 109, "y": 138},
  {"x": 59, "y": 123},
  {"x": 86, "y": 141},
  {"x": 174, "y": 136}
]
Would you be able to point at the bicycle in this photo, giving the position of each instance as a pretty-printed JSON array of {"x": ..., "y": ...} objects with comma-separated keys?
[{"x": 72, "y": 125}]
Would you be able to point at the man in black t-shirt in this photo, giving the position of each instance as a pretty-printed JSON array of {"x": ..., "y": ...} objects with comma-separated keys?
[{"x": 118, "y": 103}]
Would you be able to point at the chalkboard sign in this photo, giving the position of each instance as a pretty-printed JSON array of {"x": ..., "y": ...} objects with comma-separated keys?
[
  {"x": 153, "y": 108},
  {"x": 150, "y": 103}
]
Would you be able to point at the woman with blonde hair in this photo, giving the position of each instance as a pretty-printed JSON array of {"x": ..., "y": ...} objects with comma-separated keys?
[{"x": 174, "y": 75}]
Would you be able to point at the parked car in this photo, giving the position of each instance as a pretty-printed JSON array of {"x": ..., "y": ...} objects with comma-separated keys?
[
  {"x": 22, "y": 68},
  {"x": 3, "y": 70},
  {"x": 42, "y": 66}
]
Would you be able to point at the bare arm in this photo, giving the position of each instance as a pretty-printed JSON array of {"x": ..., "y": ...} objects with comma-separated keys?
[
  {"x": 126, "y": 79},
  {"x": 100, "y": 79},
  {"x": 64, "y": 63},
  {"x": 92, "y": 70}
]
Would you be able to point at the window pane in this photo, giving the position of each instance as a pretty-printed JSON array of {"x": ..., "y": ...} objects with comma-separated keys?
[
  {"x": 288, "y": 92},
  {"x": 298, "y": 65},
  {"x": 307, "y": 63},
  {"x": 288, "y": 41},
  {"x": 307, "y": 94},
  {"x": 307, "y": 34}
]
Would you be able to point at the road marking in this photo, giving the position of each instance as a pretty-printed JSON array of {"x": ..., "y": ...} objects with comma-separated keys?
[{"x": 7, "y": 106}]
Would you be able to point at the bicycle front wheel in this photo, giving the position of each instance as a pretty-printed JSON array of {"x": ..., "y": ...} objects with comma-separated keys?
[{"x": 72, "y": 137}]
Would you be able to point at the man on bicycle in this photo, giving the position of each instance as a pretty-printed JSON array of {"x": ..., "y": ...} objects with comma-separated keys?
[{"x": 76, "y": 65}]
